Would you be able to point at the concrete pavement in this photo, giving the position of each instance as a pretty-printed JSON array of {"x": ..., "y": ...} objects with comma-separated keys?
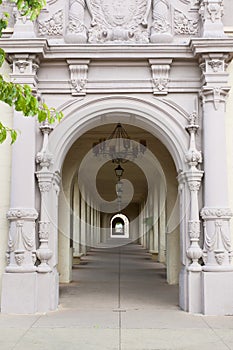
[{"x": 118, "y": 300}]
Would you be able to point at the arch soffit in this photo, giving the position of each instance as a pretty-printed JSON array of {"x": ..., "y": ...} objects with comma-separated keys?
[{"x": 162, "y": 119}]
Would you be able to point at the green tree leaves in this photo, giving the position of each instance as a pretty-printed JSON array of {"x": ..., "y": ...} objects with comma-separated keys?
[
  {"x": 30, "y": 8},
  {"x": 21, "y": 96}
]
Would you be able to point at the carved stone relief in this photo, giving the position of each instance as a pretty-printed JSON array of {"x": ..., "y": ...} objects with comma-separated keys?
[
  {"x": 118, "y": 21},
  {"x": 21, "y": 242},
  {"x": 217, "y": 242},
  {"x": 52, "y": 26},
  {"x": 183, "y": 25}
]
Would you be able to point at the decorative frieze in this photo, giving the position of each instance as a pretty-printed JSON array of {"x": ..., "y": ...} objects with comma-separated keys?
[
  {"x": 216, "y": 213},
  {"x": 78, "y": 76},
  {"x": 160, "y": 69}
]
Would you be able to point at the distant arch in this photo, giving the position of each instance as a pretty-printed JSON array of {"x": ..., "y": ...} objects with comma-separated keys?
[{"x": 119, "y": 226}]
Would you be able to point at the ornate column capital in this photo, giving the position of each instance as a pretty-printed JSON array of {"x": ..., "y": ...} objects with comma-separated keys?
[
  {"x": 214, "y": 78},
  {"x": 24, "y": 69},
  {"x": 214, "y": 95}
]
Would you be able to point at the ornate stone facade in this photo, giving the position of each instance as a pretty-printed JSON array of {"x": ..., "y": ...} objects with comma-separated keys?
[{"x": 158, "y": 65}]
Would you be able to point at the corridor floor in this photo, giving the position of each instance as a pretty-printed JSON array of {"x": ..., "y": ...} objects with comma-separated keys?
[{"x": 118, "y": 300}]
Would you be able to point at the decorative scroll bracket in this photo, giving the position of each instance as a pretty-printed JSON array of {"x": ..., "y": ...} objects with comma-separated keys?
[
  {"x": 160, "y": 69},
  {"x": 78, "y": 76}
]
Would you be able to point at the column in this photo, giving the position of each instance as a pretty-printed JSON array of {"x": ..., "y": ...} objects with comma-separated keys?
[
  {"x": 83, "y": 224},
  {"x": 161, "y": 226},
  {"x": 194, "y": 252},
  {"x": 76, "y": 225},
  {"x": 92, "y": 225},
  {"x": 155, "y": 231},
  {"x": 88, "y": 221},
  {"x": 47, "y": 255},
  {"x": 19, "y": 288},
  {"x": 217, "y": 254}
]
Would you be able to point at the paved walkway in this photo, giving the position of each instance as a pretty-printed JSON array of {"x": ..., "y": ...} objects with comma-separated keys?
[{"x": 119, "y": 300}]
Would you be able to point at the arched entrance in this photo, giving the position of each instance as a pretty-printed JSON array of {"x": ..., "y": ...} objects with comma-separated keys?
[
  {"x": 119, "y": 226},
  {"x": 153, "y": 118},
  {"x": 167, "y": 125}
]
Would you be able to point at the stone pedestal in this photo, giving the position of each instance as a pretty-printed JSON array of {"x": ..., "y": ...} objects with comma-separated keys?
[
  {"x": 48, "y": 291},
  {"x": 217, "y": 293},
  {"x": 19, "y": 293},
  {"x": 194, "y": 280}
]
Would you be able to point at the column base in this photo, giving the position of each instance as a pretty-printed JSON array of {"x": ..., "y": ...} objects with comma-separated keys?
[
  {"x": 194, "y": 292},
  {"x": 19, "y": 293},
  {"x": 48, "y": 291},
  {"x": 217, "y": 293},
  {"x": 77, "y": 259},
  {"x": 154, "y": 255},
  {"x": 190, "y": 291},
  {"x": 29, "y": 293}
]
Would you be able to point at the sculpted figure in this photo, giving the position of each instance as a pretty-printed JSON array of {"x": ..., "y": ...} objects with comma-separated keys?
[
  {"x": 161, "y": 26},
  {"x": 76, "y": 31}
]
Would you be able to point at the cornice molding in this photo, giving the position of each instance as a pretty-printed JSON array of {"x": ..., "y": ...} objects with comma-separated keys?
[
  {"x": 202, "y": 46},
  {"x": 89, "y": 51}
]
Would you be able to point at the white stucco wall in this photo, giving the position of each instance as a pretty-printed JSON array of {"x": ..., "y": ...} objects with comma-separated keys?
[{"x": 5, "y": 179}]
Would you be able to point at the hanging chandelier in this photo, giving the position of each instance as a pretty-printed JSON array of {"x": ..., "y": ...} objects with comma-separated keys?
[{"x": 119, "y": 147}]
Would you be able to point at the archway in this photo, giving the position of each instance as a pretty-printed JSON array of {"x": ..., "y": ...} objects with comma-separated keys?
[
  {"x": 166, "y": 123},
  {"x": 119, "y": 226},
  {"x": 154, "y": 117}
]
